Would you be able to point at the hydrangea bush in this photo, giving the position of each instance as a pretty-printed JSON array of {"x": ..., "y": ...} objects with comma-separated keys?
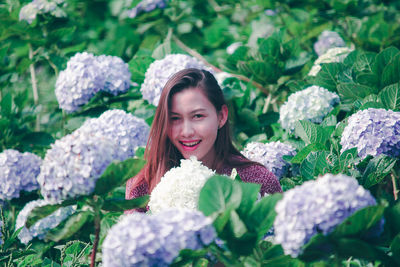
[
  {"x": 326, "y": 41},
  {"x": 317, "y": 206},
  {"x": 373, "y": 132},
  {"x": 180, "y": 187},
  {"x": 335, "y": 54},
  {"x": 18, "y": 172},
  {"x": 312, "y": 103},
  {"x": 128, "y": 131},
  {"x": 86, "y": 75},
  {"x": 161, "y": 70},
  {"x": 41, "y": 227},
  {"x": 30, "y": 11},
  {"x": 270, "y": 155},
  {"x": 73, "y": 164},
  {"x": 156, "y": 240}
]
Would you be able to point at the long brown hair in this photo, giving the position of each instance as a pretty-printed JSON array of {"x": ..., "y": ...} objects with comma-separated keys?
[{"x": 160, "y": 154}]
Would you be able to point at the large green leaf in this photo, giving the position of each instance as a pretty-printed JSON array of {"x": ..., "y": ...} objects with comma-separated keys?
[
  {"x": 116, "y": 204},
  {"x": 250, "y": 191},
  {"x": 303, "y": 153},
  {"x": 311, "y": 133},
  {"x": 117, "y": 173},
  {"x": 218, "y": 194},
  {"x": 317, "y": 163},
  {"x": 72, "y": 225},
  {"x": 354, "y": 91},
  {"x": 327, "y": 77},
  {"x": 383, "y": 58},
  {"x": 391, "y": 72},
  {"x": 6, "y": 105},
  {"x": 376, "y": 170},
  {"x": 390, "y": 96},
  {"x": 360, "y": 222}
]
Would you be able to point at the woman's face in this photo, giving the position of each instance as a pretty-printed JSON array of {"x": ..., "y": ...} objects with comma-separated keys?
[{"x": 194, "y": 124}]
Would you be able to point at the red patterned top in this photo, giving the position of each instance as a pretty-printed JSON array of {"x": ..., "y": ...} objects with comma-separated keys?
[{"x": 250, "y": 174}]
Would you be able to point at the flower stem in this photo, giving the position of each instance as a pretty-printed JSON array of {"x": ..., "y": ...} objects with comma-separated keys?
[
  {"x": 96, "y": 233},
  {"x": 216, "y": 69},
  {"x": 395, "y": 191},
  {"x": 34, "y": 86}
]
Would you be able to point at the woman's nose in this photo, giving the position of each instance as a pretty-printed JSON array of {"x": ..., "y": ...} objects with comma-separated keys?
[{"x": 187, "y": 129}]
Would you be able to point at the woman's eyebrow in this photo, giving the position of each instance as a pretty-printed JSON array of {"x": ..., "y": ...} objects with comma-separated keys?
[{"x": 191, "y": 112}]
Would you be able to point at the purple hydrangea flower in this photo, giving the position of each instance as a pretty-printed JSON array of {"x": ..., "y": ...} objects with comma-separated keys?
[
  {"x": 1, "y": 231},
  {"x": 145, "y": 6},
  {"x": 31, "y": 10},
  {"x": 73, "y": 164},
  {"x": 317, "y": 207},
  {"x": 373, "y": 132},
  {"x": 128, "y": 131},
  {"x": 117, "y": 76},
  {"x": 312, "y": 103},
  {"x": 160, "y": 71},
  {"x": 86, "y": 75},
  {"x": 270, "y": 155},
  {"x": 18, "y": 172},
  {"x": 156, "y": 240},
  {"x": 41, "y": 227},
  {"x": 327, "y": 40}
]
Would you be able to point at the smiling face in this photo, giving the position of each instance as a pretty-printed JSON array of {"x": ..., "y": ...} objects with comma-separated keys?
[{"x": 194, "y": 124}]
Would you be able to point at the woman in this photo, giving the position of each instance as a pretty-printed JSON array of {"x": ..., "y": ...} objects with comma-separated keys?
[{"x": 192, "y": 120}]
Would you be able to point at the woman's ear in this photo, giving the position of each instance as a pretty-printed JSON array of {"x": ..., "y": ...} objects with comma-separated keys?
[{"x": 222, "y": 116}]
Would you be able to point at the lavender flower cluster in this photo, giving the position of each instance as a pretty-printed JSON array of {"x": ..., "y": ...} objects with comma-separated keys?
[
  {"x": 317, "y": 207},
  {"x": 128, "y": 131},
  {"x": 270, "y": 155},
  {"x": 73, "y": 164},
  {"x": 31, "y": 10},
  {"x": 155, "y": 240},
  {"x": 312, "y": 103},
  {"x": 328, "y": 40},
  {"x": 373, "y": 132},
  {"x": 144, "y": 6},
  {"x": 86, "y": 75},
  {"x": 18, "y": 172},
  {"x": 161, "y": 70},
  {"x": 41, "y": 227},
  {"x": 336, "y": 54}
]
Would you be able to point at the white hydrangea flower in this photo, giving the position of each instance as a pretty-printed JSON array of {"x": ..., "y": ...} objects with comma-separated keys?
[
  {"x": 73, "y": 164},
  {"x": 32, "y": 9},
  {"x": 221, "y": 76},
  {"x": 161, "y": 70},
  {"x": 270, "y": 155},
  {"x": 180, "y": 187},
  {"x": 128, "y": 131},
  {"x": 18, "y": 172},
  {"x": 42, "y": 226},
  {"x": 327, "y": 40},
  {"x": 86, "y": 75},
  {"x": 317, "y": 206},
  {"x": 312, "y": 103},
  {"x": 336, "y": 54}
]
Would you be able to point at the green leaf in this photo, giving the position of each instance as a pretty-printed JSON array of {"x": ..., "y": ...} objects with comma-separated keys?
[
  {"x": 250, "y": 190},
  {"x": 383, "y": 58},
  {"x": 262, "y": 215},
  {"x": 269, "y": 47},
  {"x": 391, "y": 72},
  {"x": 117, "y": 173},
  {"x": 395, "y": 248},
  {"x": 311, "y": 133},
  {"x": 39, "y": 213},
  {"x": 237, "y": 226},
  {"x": 376, "y": 170},
  {"x": 360, "y": 222},
  {"x": 347, "y": 157},
  {"x": 216, "y": 33},
  {"x": 392, "y": 218},
  {"x": 318, "y": 247},
  {"x": 317, "y": 163},
  {"x": 70, "y": 226},
  {"x": 114, "y": 204},
  {"x": 390, "y": 96},
  {"x": 354, "y": 91},
  {"x": 218, "y": 194},
  {"x": 327, "y": 76},
  {"x": 6, "y": 105},
  {"x": 302, "y": 154}
]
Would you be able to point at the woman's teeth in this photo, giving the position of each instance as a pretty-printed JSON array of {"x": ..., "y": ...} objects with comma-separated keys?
[{"x": 191, "y": 144}]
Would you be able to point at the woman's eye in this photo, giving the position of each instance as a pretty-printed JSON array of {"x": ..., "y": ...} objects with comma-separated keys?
[
  {"x": 174, "y": 118},
  {"x": 198, "y": 116}
]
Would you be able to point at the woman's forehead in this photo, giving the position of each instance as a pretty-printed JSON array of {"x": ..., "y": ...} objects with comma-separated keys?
[{"x": 190, "y": 100}]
